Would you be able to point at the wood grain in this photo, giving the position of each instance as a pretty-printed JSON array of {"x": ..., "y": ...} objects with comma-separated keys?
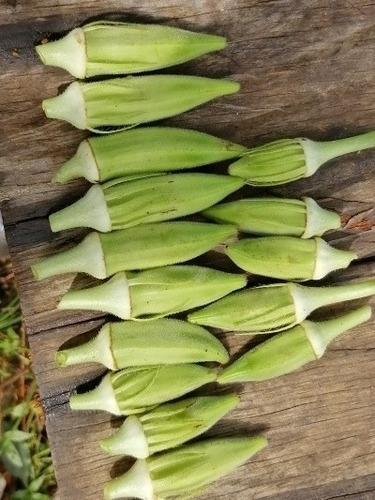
[{"x": 305, "y": 68}]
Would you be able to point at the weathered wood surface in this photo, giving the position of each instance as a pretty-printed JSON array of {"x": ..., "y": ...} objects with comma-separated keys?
[{"x": 306, "y": 68}]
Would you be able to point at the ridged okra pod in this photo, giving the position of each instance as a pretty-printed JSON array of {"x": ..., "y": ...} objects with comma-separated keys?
[
  {"x": 163, "y": 341},
  {"x": 123, "y": 203},
  {"x": 272, "y": 308},
  {"x": 287, "y": 160},
  {"x": 154, "y": 292},
  {"x": 129, "y": 101},
  {"x": 289, "y": 258},
  {"x": 167, "y": 426},
  {"x": 276, "y": 216},
  {"x": 112, "y": 48},
  {"x": 184, "y": 472},
  {"x": 141, "y": 247},
  {"x": 145, "y": 150},
  {"x": 290, "y": 350},
  {"x": 138, "y": 389}
]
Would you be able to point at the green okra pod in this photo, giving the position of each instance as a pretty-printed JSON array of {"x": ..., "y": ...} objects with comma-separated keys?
[
  {"x": 184, "y": 472},
  {"x": 141, "y": 247},
  {"x": 111, "y": 48},
  {"x": 123, "y": 203},
  {"x": 154, "y": 292},
  {"x": 129, "y": 343},
  {"x": 130, "y": 101},
  {"x": 287, "y": 160},
  {"x": 167, "y": 426},
  {"x": 292, "y": 349},
  {"x": 277, "y": 307},
  {"x": 138, "y": 389},
  {"x": 289, "y": 258},
  {"x": 276, "y": 216},
  {"x": 145, "y": 150}
]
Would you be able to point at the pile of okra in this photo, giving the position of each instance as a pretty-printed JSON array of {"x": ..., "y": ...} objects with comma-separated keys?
[{"x": 143, "y": 179}]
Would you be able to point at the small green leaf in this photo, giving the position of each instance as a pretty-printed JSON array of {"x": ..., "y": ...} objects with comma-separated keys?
[
  {"x": 19, "y": 410},
  {"x": 18, "y": 436},
  {"x": 37, "y": 483},
  {"x": 29, "y": 495},
  {"x": 17, "y": 460}
]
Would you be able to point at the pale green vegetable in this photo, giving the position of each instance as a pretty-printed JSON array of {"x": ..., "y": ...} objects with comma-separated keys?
[
  {"x": 140, "y": 247},
  {"x": 163, "y": 341},
  {"x": 276, "y": 216},
  {"x": 292, "y": 349},
  {"x": 123, "y": 203},
  {"x": 167, "y": 426},
  {"x": 154, "y": 292},
  {"x": 272, "y": 308},
  {"x": 138, "y": 389},
  {"x": 289, "y": 258},
  {"x": 111, "y": 48},
  {"x": 129, "y": 101},
  {"x": 184, "y": 472},
  {"x": 144, "y": 150},
  {"x": 287, "y": 160}
]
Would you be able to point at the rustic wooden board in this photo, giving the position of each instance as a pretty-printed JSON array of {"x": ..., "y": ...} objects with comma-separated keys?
[{"x": 306, "y": 68}]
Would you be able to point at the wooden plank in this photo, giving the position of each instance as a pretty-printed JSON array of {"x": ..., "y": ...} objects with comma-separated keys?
[{"x": 305, "y": 68}]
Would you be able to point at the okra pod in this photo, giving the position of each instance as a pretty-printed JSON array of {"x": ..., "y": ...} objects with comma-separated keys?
[
  {"x": 184, "y": 472},
  {"x": 123, "y": 203},
  {"x": 138, "y": 389},
  {"x": 276, "y": 216},
  {"x": 289, "y": 258},
  {"x": 167, "y": 426},
  {"x": 154, "y": 292},
  {"x": 141, "y": 247},
  {"x": 277, "y": 307},
  {"x": 129, "y": 343},
  {"x": 130, "y": 101},
  {"x": 145, "y": 150},
  {"x": 287, "y": 160},
  {"x": 111, "y": 48},
  {"x": 290, "y": 350}
]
